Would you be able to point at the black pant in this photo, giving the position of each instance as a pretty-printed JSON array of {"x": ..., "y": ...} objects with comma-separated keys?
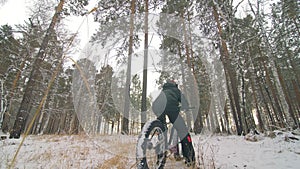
[{"x": 182, "y": 130}]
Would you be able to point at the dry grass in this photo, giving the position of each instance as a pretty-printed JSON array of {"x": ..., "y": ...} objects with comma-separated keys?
[
  {"x": 117, "y": 161},
  {"x": 206, "y": 157},
  {"x": 123, "y": 154}
]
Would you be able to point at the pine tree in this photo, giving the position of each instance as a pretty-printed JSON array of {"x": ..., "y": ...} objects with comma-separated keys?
[{"x": 9, "y": 47}]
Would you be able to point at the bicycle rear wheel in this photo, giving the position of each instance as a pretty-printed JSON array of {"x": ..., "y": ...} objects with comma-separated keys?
[{"x": 151, "y": 146}]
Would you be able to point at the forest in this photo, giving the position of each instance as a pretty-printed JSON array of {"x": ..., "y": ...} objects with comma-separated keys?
[{"x": 240, "y": 69}]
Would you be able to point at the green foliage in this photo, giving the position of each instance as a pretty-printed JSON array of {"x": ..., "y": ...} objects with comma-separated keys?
[
  {"x": 75, "y": 7},
  {"x": 9, "y": 49},
  {"x": 105, "y": 101}
]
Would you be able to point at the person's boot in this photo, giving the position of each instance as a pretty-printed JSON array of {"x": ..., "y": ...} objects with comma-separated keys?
[{"x": 188, "y": 151}]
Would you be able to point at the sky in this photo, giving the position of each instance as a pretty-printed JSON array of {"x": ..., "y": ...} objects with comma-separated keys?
[{"x": 13, "y": 14}]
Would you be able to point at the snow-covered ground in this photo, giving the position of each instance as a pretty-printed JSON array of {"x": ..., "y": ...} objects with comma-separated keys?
[{"x": 118, "y": 151}]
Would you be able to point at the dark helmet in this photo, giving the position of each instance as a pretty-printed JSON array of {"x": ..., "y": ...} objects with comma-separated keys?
[{"x": 172, "y": 81}]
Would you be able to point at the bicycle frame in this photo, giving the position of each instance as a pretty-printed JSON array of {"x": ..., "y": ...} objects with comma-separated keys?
[{"x": 157, "y": 139}]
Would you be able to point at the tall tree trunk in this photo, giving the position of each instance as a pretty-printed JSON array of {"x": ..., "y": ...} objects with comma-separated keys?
[
  {"x": 125, "y": 124},
  {"x": 246, "y": 128},
  {"x": 27, "y": 97},
  {"x": 6, "y": 118},
  {"x": 279, "y": 83},
  {"x": 62, "y": 124},
  {"x": 231, "y": 103},
  {"x": 258, "y": 112},
  {"x": 187, "y": 53},
  {"x": 198, "y": 124},
  {"x": 118, "y": 126},
  {"x": 99, "y": 124},
  {"x": 75, "y": 127},
  {"x": 112, "y": 127},
  {"x": 296, "y": 74},
  {"x": 145, "y": 70},
  {"x": 253, "y": 79},
  {"x": 231, "y": 74},
  {"x": 184, "y": 90},
  {"x": 297, "y": 92},
  {"x": 226, "y": 118},
  {"x": 2, "y": 104},
  {"x": 215, "y": 121},
  {"x": 287, "y": 97},
  {"x": 277, "y": 108}
]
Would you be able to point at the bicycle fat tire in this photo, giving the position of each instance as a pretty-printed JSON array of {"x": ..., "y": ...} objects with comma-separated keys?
[{"x": 144, "y": 145}]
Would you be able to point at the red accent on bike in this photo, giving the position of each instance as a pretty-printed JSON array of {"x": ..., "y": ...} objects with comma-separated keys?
[{"x": 189, "y": 139}]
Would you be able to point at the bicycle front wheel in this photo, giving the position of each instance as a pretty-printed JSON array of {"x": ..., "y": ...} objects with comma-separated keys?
[{"x": 151, "y": 146}]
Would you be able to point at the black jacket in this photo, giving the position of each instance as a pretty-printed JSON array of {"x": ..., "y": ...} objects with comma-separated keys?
[{"x": 169, "y": 99}]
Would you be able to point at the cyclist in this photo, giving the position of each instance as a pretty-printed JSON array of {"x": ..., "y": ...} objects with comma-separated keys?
[{"x": 168, "y": 104}]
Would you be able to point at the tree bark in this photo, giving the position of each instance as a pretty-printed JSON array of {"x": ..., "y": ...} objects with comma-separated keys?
[
  {"x": 125, "y": 121},
  {"x": 227, "y": 118},
  {"x": 145, "y": 70},
  {"x": 188, "y": 57},
  {"x": 258, "y": 112},
  {"x": 287, "y": 97},
  {"x": 27, "y": 97},
  {"x": 231, "y": 74},
  {"x": 277, "y": 108}
]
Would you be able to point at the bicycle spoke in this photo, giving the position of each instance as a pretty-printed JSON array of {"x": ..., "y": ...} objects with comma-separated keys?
[{"x": 153, "y": 145}]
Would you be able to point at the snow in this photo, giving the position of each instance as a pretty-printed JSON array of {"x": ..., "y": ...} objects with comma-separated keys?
[
  {"x": 118, "y": 151},
  {"x": 229, "y": 152}
]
